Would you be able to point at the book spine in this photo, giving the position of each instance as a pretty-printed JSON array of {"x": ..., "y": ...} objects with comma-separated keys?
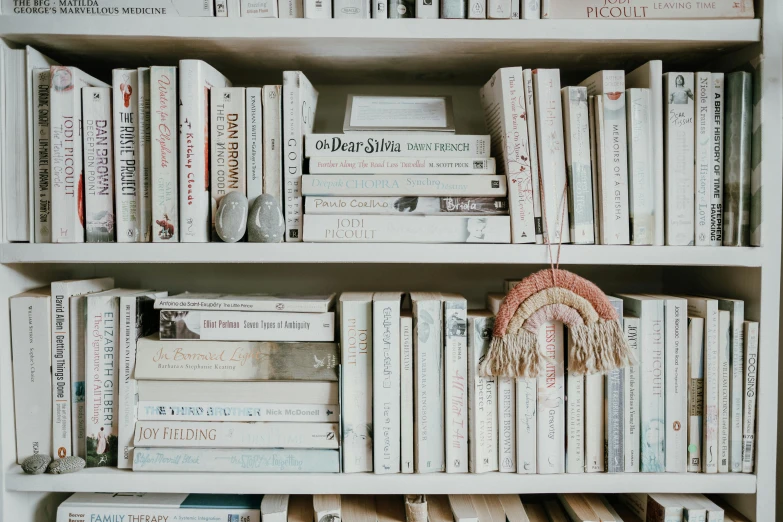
[
  {"x": 96, "y": 511},
  {"x": 194, "y": 206},
  {"x": 410, "y": 165},
  {"x": 402, "y": 9},
  {"x": 703, "y": 146},
  {"x": 237, "y": 460},
  {"x": 455, "y": 368},
  {"x": 406, "y": 394},
  {"x": 554, "y": 196},
  {"x": 711, "y": 390},
  {"x": 388, "y": 145},
  {"x": 126, "y": 159},
  {"x": 592, "y": 110},
  {"x": 535, "y": 167},
  {"x": 531, "y": 9},
  {"x": 143, "y": 150},
  {"x": 246, "y": 326},
  {"x": 67, "y": 179},
  {"x": 307, "y": 392},
  {"x": 227, "y": 138},
  {"x": 221, "y": 8},
  {"x": 101, "y": 381},
  {"x": 631, "y": 400},
  {"x": 551, "y": 398},
  {"x": 31, "y": 345},
  {"x": 163, "y": 137},
  {"x": 577, "y": 149},
  {"x": 756, "y": 160},
  {"x": 736, "y": 201},
  {"x": 291, "y": 9},
  {"x": 251, "y": 304},
  {"x": 407, "y": 229},
  {"x": 595, "y": 428},
  {"x": 679, "y": 131},
  {"x": 507, "y": 437},
  {"x": 258, "y": 9},
  {"x": 477, "y": 9},
  {"x": 187, "y": 434},
  {"x": 61, "y": 370},
  {"x": 724, "y": 390},
  {"x": 615, "y": 175},
  {"x": 500, "y": 9},
  {"x": 273, "y": 142},
  {"x": 676, "y": 353},
  {"x": 751, "y": 335},
  {"x": 352, "y": 9},
  {"x": 77, "y": 333},
  {"x": 386, "y": 386},
  {"x": 653, "y": 405},
  {"x": 429, "y": 445},
  {"x": 737, "y": 381},
  {"x": 646, "y": 9},
  {"x": 527, "y": 398},
  {"x": 127, "y": 383},
  {"x": 321, "y": 8},
  {"x": 215, "y": 411},
  {"x": 615, "y": 421},
  {"x": 406, "y": 205},
  {"x": 98, "y": 165},
  {"x": 641, "y": 186},
  {"x": 292, "y": 158},
  {"x": 427, "y": 8},
  {"x": 255, "y": 143},
  {"x": 454, "y": 8},
  {"x": 716, "y": 164},
  {"x": 402, "y": 185},
  {"x": 41, "y": 149},
  {"x": 356, "y": 336},
  {"x": 482, "y": 393},
  {"x": 695, "y": 392},
  {"x": 575, "y": 423},
  {"x": 380, "y": 9}
]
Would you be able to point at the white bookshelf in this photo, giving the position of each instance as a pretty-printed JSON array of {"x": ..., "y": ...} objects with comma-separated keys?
[{"x": 409, "y": 56}]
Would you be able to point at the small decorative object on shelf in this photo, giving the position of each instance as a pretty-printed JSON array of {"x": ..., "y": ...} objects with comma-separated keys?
[
  {"x": 70, "y": 464},
  {"x": 265, "y": 221},
  {"x": 36, "y": 464},
  {"x": 231, "y": 217}
]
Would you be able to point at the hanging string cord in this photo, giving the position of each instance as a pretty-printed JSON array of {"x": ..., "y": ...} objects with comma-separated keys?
[{"x": 554, "y": 264}]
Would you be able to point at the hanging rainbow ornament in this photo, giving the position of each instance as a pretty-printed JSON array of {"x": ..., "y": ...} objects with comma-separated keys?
[{"x": 597, "y": 341}]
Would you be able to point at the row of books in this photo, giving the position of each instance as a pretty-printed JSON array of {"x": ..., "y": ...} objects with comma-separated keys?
[
  {"x": 498, "y": 9},
  {"x": 414, "y": 401},
  {"x": 575, "y": 507}
]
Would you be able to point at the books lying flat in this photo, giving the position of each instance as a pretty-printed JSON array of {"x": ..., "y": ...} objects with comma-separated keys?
[
  {"x": 407, "y": 229},
  {"x": 246, "y": 326},
  {"x": 239, "y": 392},
  {"x": 573, "y": 9},
  {"x": 402, "y": 185},
  {"x": 405, "y": 205},
  {"x": 420, "y": 145},
  {"x": 178, "y": 434},
  {"x": 235, "y": 361},
  {"x": 247, "y": 303},
  {"x": 409, "y": 165},
  {"x": 241, "y": 412},
  {"x": 237, "y": 460},
  {"x": 115, "y": 7}
]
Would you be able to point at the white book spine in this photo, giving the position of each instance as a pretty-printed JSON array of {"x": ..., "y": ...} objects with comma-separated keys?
[
  {"x": 446, "y": 185},
  {"x": 551, "y": 400},
  {"x": 455, "y": 385},
  {"x": 163, "y": 137},
  {"x": 32, "y": 358},
  {"x": 295, "y": 392},
  {"x": 258, "y": 8},
  {"x": 41, "y": 157},
  {"x": 214, "y": 411},
  {"x": 66, "y": 155},
  {"x": 210, "y": 325},
  {"x": 217, "y": 460},
  {"x": 273, "y": 142},
  {"x": 575, "y": 423},
  {"x": 503, "y": 100},
  {"x": 535, "y": 167},
  {"x": 427, "y": 8},
  {"x": 477, "y": 9},
  {"x": 126, "y": 410},
  {"x": 96, "y": 511},
  {"x": 631, "y": 399},
  {"x": 527, "y": 398},
  {"x": 577, "y": 149},
  {"x": 386, "y": 383},
  {"x": 221, "y": 8},
  {"x": 406, "y": 205},
  {"x": 482, "y": 393},
  {"x": 78, "y": 326},
  {"x": 653, "y": 405},
  {"x": 603, "y": 224},
  {"x": 695, "y": 392},
  {"x": 595, "y": 427},
  {"x": 406, "y": 394},
  {"x": 645, "y": 9},
  {"x": 515, "y": 9},
  {"x": 551, "y": 155},
  {"x": 724, "y": 390},
  {"x": 531, "y": 9},
  {"x": 407, "y": 229},
  {"x": 380, "y": 9},
  {"x": 143, "y": 151},
  {"x": 299, "y": 104},
  {"x": 679, "y": 131},
  {"x": 357, "y": 356},
  {"x": 737, "y": 380},
  {"x": 246, "y": 303},
  {"x": 352, "y": 9},
  {"x": 641, "y": 172},
  {"x": 751, "y": 335},
  {"x": 126, "y": 158},
  {"x": 716, "y": 165},
  {"x": 255, "y": 143},
  {"x": 499, "y": 9},
  {"x": 429, "y": 445},
  {"x": 676, "y": 385},
  {"x": 227, "y": 140},
  {"x": 507, "y": 437},
  {"x": 189, "y": 434},
  {"x": 703, "y": 150},
  {"x": 398, "y": 145},
  {"x": 98, "y": 165},
  {"x": 708, "y": 310},
  {"x": 233, "y": 9},
  {"x": 291, "y": 9},
  {"x": 410, "y": 165},
  {"x": 615, "y": 175}
]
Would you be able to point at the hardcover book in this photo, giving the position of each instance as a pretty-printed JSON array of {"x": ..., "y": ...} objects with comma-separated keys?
[
  {"x": 641, "y": 173},
  {"x": 417, "y": 145},
  {"x": 402, "y": 185},
  {"x": 386, "y": 381},
  {"x": 221, "y": 460},
  {"x": 164, "y": 149},
  {"x": 125, "y": 84},
  {"x": 551, "y": 400},
  {"x": 737, "y": 162},
  {"x": 228, "y": 148},
  {"x": 211, "y": 411},
  {"x": 648, "y": 9},
  {"x": 416, "y": 205},
  {"x": 455, "y": 367},
  {"x": 115, "y": 7},
  {"x": 580, "y": 176},
  {"x": 247, "y": 302},
  {"x": 482, "y": 397},
  {"x": 98, "y": 165},
  {"x": 401, "y": 165}
]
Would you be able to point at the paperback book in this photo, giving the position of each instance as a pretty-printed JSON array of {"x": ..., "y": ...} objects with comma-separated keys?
[
  {"x": 401, "y": 165},
  {"x": 402, "y": 185},
  {"x": 406, "y": 205},
  {"x": 418, "y": 145},
  {"x": 98, "y": 165},
  {"x": 212, "y": 411},
  {"x": 209, "y": 325},
  {"x": 247, "y": 302},
  {"x": 222, "y": 460},
  {"x": 164, "y": 150},
  {"x": 482, "y": 397}
]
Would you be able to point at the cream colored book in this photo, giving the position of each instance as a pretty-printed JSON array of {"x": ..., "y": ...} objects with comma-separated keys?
[
  {"x": 326, "y": 508},
  {"x": 515, "y": 511},
  {"x": 274, "y": 508},
  {"x": 389, "y": 508},
  {"x": 462, "y": 508},
  {"x": 359, "y": 508},
  {"x": 438, "y": 509}
]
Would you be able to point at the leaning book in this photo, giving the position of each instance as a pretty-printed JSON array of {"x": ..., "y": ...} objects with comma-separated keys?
[{"x": 237, "y": 460}]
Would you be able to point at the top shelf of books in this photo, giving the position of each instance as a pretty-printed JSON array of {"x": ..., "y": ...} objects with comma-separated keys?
[{"x": 371, "y": 51}]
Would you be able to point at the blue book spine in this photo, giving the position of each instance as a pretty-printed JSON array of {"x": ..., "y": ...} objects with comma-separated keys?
[{"x": 236, "y": 460}]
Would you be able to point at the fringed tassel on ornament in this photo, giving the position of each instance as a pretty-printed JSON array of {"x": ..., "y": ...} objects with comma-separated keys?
[
  {"x": 598, "y": 348},
  {"x": 513, "y": 355}
]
